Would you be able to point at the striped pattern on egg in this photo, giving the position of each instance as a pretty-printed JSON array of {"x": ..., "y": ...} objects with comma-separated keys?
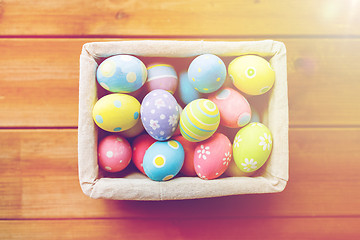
[
  {"x": 199, "y": 120},
  {"x": 162, "y": 76}
]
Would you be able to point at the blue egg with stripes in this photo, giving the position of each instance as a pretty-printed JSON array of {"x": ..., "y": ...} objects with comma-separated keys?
[
  {"x": 121, "y": 74},
  {"x": 199, "y": 120},
  {"x": 207, "y": 73}
]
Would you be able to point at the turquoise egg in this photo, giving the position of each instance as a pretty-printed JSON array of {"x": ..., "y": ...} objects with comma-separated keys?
[
  {"x": 163, "y": 160},
  {"x": 207, "y": 73},
  {"x": 187, "y": 92},
  {"x": 121, "y": 73},
  {"x": 255, "y": 116}
]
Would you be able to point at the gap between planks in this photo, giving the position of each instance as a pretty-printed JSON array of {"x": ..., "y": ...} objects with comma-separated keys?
[{"x": 182, "y": 37}]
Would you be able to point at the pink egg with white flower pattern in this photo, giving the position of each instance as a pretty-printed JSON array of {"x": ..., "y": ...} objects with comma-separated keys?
[
  {"x": 140, "y": 145},
  {"x": 114, "y": 153},
  {"x": 234, "y": 109},
  {"x": 212, "y": 156}
]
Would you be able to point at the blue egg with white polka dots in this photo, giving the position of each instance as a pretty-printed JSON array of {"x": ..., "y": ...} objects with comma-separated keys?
[
  {"x": 121, "y": 74},
  {"x": 207, "y": 73},
  {"x": 163, "y": 160}
]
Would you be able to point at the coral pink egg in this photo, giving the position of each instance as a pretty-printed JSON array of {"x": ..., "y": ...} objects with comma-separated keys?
[
  {"x": 189, "y": 147},
  {"x": 212, "y": 156},
  {"x": 234, "y": 109},
  {"x": 114, "y": 153},
  {"x": 140, "y": 145},
  {"x": 177, "y": 131}
]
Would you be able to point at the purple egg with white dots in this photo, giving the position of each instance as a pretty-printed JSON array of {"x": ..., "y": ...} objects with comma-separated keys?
[
  {"x": 121, "y": 73},
  {"x": 160, "y": 114}
]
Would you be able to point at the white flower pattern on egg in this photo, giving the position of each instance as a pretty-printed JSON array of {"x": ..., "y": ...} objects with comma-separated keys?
[
  {"x": 249, "y": 164},
  {"x": 203, "y": 152},
  {"x": 265, "y": 141},
  {"x": 237, "y": 141},
  {"x": 202, "y": 176},
  {"x": 173, "y": 120},
  {"x": 227, "y": 158},
  {"x": 159, "y": 103},
  {"x": 154, "y": 124},
  {"x": 256, "y": 124}
]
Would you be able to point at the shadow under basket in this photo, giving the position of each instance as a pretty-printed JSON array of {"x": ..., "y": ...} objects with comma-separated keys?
[{"x": 133, "y": 185}]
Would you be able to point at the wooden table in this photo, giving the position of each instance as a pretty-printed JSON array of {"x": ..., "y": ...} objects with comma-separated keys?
[{"x": 40, "y": 44}]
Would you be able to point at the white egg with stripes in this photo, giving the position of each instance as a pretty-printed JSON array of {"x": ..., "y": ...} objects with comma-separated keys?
[{"x": 199, "y": 120}]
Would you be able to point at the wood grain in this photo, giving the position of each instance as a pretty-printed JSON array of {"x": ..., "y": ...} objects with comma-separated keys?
[
  {"x": 246, "y": 228},
  {"x": 39, "y": 84},
  {"x": 38, "y": 179},
  {"x": 40, "y": 45},
  {"x": 179, "y": 18}
]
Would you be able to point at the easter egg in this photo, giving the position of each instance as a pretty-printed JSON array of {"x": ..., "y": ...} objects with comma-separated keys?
[
  {"x": 255, "y": 115},
  {"x": 116, "y": 112},
  {"x": 252, "y": 74},
  {"x": 121, "y": 73},
  {"x": 163, "y": 160},
  {"x": 187, "y": 92},
  {"x": 133, "y": 131},
  {"x": 234, "y": 171},
  {"x": 252, "y": 147},
  {"x": 160, "y": 114},
  {"x": 207, "y": 73},
  {"x": 234, "y": 109},
  {"x": 114, "y": 153},
  {"x": 189, "y": 148},
  {"x": 162, "y": 76},
  {"x": 177, "y": 131},
  {"x": 199, "y": 120},
  {"x": 212, "y": 156},
  {"x": 140, "y": 145}
]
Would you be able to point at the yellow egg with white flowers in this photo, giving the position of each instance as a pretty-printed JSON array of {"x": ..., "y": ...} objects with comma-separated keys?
[
  {"x": 251, "y": 74},
  {"x": 116, "y": 112}
]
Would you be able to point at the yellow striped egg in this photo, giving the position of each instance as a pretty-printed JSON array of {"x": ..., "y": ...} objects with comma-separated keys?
[
  {"x": 199, "y": 120},
  {"x": 116, "y": 112}
]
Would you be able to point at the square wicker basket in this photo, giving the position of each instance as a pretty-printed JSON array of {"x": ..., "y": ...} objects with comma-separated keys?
[{"x": 134, "y": 185}]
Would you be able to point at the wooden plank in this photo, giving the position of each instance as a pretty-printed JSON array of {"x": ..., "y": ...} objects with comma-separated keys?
[
  {"x": 39, "y": 179},
  {"x": 236, "y": 228},
  {"x": 323, "y": 82},
  {"x": 179, "y": 18},
  {"x": 39, "y": 84}
]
